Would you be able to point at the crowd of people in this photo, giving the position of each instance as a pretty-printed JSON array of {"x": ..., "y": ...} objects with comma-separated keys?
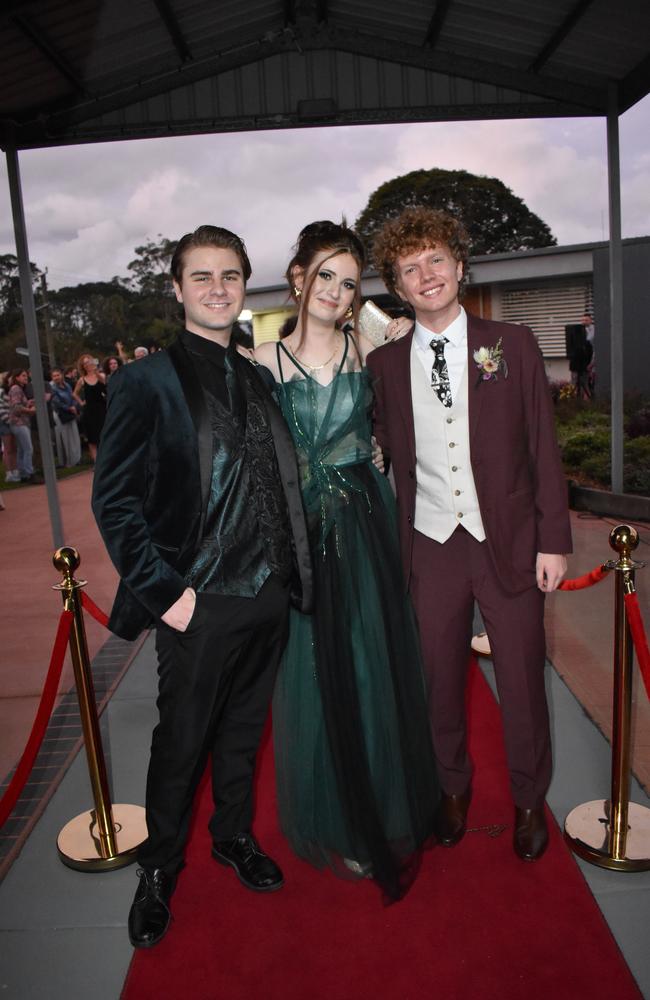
[
  {"x": 274, "y": 562},
  {"x": 76, "y": 405}
]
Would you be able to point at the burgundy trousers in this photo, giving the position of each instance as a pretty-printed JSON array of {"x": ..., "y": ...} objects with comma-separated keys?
[{"x": 446, "y": 579}]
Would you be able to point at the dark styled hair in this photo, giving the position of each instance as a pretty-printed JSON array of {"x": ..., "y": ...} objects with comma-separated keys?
[
  {"x": 209, "y": 236},
  {"x": 106, "y": 363},
  {"x": 417, "y": 229},
  {"x": 287, "y": 327},
  {"x": 332, "y": 239}
]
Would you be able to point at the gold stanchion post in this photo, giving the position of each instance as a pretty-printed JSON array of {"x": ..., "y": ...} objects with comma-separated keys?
[
  {"x": 615, "y": 833},
  {"x": 106, "y": 837}
]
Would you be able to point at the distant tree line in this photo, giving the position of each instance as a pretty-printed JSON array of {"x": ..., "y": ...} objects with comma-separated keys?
[{"x": 92, "y": 315}]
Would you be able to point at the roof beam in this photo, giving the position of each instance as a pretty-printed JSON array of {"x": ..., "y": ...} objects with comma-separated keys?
[
  {"x": 33, "y": 137},
  {"x": 317, "y": 38},
  {"x": 436, "y": 23},
  {"x": 468, "y": 68},
  {"x": 558, "y": 36},
  {"x": 40, "y": 41},
  {"x": 170, "y": 21}
]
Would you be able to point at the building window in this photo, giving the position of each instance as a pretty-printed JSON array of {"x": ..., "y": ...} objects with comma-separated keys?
[{"x": 547, "y": 310}]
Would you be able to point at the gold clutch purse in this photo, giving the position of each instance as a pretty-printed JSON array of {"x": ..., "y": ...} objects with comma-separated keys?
[{"x": 373, "y": 322}]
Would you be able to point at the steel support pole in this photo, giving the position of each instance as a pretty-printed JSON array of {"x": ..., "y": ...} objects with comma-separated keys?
[
  {"x": 615, "y": 288},
  {"x": 34, "y": 347}
]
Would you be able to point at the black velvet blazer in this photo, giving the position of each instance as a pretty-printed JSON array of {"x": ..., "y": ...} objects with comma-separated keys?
[{"x": 152, "y": 481}]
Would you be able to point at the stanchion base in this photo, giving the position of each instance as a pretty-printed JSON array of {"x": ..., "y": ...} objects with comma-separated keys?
[
  {"x": 481, "y": 646},
  {"x": 587, "y": 831},
  {"x": 79, "y": 846}
]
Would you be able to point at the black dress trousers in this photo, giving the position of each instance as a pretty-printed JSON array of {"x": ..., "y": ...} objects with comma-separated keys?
[{"x": 215, "y": 686}]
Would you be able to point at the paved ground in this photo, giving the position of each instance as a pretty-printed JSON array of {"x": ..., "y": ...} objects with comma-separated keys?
[
  {"x": 31, "y": 608},
  {"x": 62, "y": 933}
]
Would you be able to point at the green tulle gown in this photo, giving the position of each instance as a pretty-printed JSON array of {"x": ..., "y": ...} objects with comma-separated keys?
[{"x": 355, "y": 769}]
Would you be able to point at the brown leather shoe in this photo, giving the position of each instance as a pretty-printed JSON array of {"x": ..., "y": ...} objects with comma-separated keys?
[
  {"x": 451, "y": 818},
  {"x": 531, "y": 833}
]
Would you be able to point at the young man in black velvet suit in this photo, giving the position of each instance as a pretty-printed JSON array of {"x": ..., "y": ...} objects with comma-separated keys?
[{"x": 197, "y": 498}]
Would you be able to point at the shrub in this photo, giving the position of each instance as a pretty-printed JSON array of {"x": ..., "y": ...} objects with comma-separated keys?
[
  {"x": 598, "y": 468},
  {"x": 561, "y": 391},
  {"x": 583, "y": 431},
  {"x": 584, "y": 444},
  {"x": 636, "y": 480},
  {"x": 638, "y": 424},
  {"x": 636, "y": 472}
]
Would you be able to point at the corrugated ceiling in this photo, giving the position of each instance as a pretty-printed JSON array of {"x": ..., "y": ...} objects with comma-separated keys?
[{"x": 87, "y": 70}]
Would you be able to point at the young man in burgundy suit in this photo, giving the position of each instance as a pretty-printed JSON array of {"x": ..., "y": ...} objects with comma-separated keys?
[{"x": 464, "y": 413}]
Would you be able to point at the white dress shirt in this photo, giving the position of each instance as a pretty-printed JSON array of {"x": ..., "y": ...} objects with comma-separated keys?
[{"x": 455, "y": 350}]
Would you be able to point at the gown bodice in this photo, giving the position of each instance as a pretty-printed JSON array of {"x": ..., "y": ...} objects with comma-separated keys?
[{"x": 331, "y": 429}]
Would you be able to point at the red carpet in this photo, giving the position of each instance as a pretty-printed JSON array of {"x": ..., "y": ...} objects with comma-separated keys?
[{"x": 477, "y": 925}]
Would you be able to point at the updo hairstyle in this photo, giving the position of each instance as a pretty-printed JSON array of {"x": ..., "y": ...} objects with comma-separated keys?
[{"x": 327, "y": 238}]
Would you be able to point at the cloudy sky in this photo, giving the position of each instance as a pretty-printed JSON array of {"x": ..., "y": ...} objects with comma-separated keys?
[{"x": 88, "y": 207}]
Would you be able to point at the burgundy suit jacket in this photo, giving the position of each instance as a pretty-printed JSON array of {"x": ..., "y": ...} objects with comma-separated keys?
[{"x": 515, "y": 459}]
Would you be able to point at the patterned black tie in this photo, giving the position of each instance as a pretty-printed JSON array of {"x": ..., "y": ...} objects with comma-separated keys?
[{"x": 440, "y": 373}]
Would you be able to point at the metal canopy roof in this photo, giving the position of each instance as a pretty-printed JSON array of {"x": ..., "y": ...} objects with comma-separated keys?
[{"x": 94, "y": 70}]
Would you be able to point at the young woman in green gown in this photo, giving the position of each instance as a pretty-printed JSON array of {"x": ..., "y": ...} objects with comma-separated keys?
[{"x": 356, "y": 777}]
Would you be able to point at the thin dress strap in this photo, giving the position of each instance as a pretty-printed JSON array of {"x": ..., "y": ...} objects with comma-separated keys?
[
  {"x": 278, "y": 345},
  {"x": 294, "y": 360},
  {"x": 349, "y": 337}
]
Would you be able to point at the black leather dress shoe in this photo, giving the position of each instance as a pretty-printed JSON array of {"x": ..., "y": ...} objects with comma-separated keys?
[
  {"x": 149, "y": 915},
  {"x": 451, "y": 818},
  {"x": 531, "y": 833},
  {"x": 254, "y": 869}
]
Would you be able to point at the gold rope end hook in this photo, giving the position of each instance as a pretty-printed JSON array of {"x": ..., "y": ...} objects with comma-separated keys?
[
  {"x": 67, "y": 560},
  {"x": 624, "y": 539}
]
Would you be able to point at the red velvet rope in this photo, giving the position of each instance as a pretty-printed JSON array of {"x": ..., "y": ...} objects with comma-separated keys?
[
  {"x": 638, "y": 637},
  {"x": 46, "y": 704},
  {"x": 588, "y": 580},
  {"x": 93, "y": 610}
]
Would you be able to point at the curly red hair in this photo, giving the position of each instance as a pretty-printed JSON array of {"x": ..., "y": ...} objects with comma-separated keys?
[{"x": 416, "y": 229}]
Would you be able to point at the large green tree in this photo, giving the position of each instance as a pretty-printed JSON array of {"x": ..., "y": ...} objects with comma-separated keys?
[
  {"x": 91, "y": 315},
  {"x": 157, "y": 302},
  {"x": 10, "y": 308},
  {"x": 496, "y": 219}
]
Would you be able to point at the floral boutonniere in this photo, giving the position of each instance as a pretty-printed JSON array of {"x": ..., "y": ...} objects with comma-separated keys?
[{"x": 490, "y": 363}]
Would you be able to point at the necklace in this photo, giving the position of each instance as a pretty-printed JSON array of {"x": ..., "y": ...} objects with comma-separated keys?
[{"x": 312, "y": 368}]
